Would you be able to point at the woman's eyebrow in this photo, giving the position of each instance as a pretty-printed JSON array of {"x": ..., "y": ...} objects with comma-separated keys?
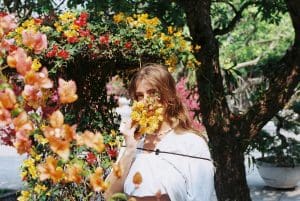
[{"x": 151, "y": 90}]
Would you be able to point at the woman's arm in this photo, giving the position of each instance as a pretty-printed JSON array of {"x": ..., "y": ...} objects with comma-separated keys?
[{"x": 116, "y": 183}]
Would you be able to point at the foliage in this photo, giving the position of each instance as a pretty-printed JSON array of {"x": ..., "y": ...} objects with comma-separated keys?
[{"x": 277, "y": 147}]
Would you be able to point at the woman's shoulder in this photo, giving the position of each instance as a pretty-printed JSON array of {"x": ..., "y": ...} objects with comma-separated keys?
[{"x": 190, "y": 135}]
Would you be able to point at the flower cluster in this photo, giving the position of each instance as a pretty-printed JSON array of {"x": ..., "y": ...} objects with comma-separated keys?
[
  {"x": 190, "y": 98},
  {"x": 61, "y": 162},
  {"x": 136, "y": 38},
  {"x": 148, "y": 115}
]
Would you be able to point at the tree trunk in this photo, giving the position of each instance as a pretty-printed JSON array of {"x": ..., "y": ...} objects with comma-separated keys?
[
  {"x": 230, "y": 176},
  {"x": 230, "y": 134}
]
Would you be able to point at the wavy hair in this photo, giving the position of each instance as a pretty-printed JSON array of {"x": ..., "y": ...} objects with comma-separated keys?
[{"x": 161, "y": 79}]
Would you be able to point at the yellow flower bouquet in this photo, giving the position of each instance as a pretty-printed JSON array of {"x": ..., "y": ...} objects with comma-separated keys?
[{"x": 148, "y": 115}]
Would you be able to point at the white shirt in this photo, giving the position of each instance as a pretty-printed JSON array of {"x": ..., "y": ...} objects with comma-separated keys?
[{"x": 182, "y": 178}]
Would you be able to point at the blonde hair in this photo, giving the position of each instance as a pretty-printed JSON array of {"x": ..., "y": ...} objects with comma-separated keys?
[{"x": 161, "y": 79}]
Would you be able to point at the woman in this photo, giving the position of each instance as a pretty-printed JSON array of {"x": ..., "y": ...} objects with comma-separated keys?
[{"x": 185, "y": 172}]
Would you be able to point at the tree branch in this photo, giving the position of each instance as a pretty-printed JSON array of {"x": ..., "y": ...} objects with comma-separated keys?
[
  {"x": 283, "y": 79},
  {"x": 235, "y": 20}
]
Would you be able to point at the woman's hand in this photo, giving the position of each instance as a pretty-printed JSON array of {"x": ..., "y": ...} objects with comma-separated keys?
[{"x": 127, "y": 129}]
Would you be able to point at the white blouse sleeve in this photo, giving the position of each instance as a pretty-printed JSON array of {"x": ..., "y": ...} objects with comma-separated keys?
[{"x": 200, "y": 172}]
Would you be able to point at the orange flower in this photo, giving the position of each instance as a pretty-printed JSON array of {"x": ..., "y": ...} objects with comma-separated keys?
[
  {"x": 21, "y": 122},
  {"x": 69, "y": 132},
  {"x": 97, "y": 182},
  {"x": 91, "y": 140},
  {"x": 49, "y": 170},
  {"x": 7, "y": 99},
  {"x": 39, "y": 79},
  {"x": 19, "y": 59},
  {"x": 117, "y": 170},
  {"x": 5, "y": 117},
  {"x": 67, "y": 91},
  {"x": 22, "y": 143},
  {"x": 59, "y": 138},
  {"x": 137, "y": 179},
  {"x": 33, "y": 40},
  {"x": 33, "y": 95},
  {"x": 56, "y": 119},
  {"x": 59, "y": 146},
  {"x": 73, "y": 173}
]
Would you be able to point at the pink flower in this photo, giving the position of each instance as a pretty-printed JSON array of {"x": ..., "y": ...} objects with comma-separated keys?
[
  {"x": 6, "y": 44},
  {"x": 8, "y": 22},
  {"x": 18, "y": 59},
  {"x": 39, "y": 79},
  {"x": 33, "y": 95},
  {"x": 22, "y": 143},
  {"x": 5, "y": 117},
  {"x": 36, "y": 41},
  {"x": 67, "y": 91}
]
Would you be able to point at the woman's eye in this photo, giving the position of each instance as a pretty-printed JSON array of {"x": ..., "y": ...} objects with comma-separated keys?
[{"x": 139, "y": 97}]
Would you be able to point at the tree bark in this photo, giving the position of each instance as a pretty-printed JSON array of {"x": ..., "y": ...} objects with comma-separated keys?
[
  {"x": 227, "y": 151},
  {"x": 229, "y": 134}
]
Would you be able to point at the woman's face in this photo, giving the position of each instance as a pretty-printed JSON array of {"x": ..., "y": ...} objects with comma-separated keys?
[{"x": 145, "y": 90}]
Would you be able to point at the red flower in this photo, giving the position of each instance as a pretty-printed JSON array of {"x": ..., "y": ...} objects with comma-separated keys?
[
  {"x": 12, "y": 48},
  {"x": 2, "y": 14},
  {"x": 73, "y": 39},
  {"x": 84, "y": 16},
  {"x": 63, "y": 54},
  {"x": 91, "y": 158},
  {"x": 112, "y": 152},
  {"x": 51, "y": 53},
  {"x": 92, "y": 37},
  {"x": 128, "y": 45},
  {"x": 80, "y": 22},
  {"x": 38, "y": 20},
  {"x": 84, "y": 33},
  {"x": 104, "y": 39}
]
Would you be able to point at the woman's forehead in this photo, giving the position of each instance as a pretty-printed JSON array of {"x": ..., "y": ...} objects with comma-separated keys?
[{"x": 144, "y": 85}]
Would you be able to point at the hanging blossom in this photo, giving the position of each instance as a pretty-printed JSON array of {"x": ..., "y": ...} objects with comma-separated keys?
[{"x": 190, "y": 99}]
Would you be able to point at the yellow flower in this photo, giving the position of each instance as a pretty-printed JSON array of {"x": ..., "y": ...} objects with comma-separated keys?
[
  {"x": 28, "y": 162},
  {"x": 148, "y": 115},
  {"x": 197, "y": 48},
  {"x": 172, "y": 61},
  {"x": 36, "y": 65},
  {"x": 40, "y": 188},
  {"x": 19, "y": 30},
  {"x": 41, "y": 139},
  {"x": 24, "y": 174},
  {"x": 170, "y": 29},
  {"x": 135, "y": 115},
  {"x": 74, "y": 27},
  {"x": 46, "y": 28},
  {"x": 113, "y": 133},
  {"x": 178, "y": 33},
  {"x": 149, "y": 33},
  {"x": 154, "y": 21},
  {"x": 28, "y": 23},
  {"x": 119, "y": 17},
  {"x": 25, "y": 195},
  {"x": 70, "y": 33},
  {"x": 67, "y": 17}
]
